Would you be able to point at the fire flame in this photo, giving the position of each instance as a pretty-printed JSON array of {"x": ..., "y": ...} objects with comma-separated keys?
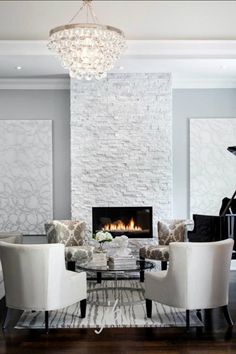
[{"x": 120, "y": 226}]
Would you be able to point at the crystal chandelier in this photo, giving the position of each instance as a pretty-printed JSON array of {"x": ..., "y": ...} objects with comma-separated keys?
[{"x": 88, "y": 50}]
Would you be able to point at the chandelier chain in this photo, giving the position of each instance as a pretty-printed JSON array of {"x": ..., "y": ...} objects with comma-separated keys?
[
  {"x": 89, "y": 10},
  {"x": 93, "y": 14},
  {"x": 77, "y": 13}
]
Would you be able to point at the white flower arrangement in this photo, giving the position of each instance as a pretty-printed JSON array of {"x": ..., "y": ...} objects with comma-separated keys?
[
  {"x": 121, "y": 241},
  {"x": 103, "y": 236},
  {"x": 120, "y": 246}
]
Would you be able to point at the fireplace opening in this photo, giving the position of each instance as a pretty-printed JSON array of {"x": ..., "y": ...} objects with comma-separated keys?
[{"x": 134, "y": 222}]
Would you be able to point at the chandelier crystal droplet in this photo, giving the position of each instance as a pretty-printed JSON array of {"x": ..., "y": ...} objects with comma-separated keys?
[{"x": 87, "y": 50}]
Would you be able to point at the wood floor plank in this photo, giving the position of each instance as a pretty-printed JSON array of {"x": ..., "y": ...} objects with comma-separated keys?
[{"x": 216, "y": 338}]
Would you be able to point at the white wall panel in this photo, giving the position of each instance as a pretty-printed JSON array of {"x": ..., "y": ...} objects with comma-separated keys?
[
  {"x": 212, "y": 167},
  {"x": 25, "y": 175}
]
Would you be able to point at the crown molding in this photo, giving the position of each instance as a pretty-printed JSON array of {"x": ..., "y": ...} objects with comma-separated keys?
[
  {"x": 8, "y": 47},
  {"x": 183, "y": 48},
  {"x": 64, "y": 84},
  {"x": 203, "y": 83},
  {"x": 140, "y": 48},
  {"x": 35, "y": 84},
  {"x": 135, "y": 49}
]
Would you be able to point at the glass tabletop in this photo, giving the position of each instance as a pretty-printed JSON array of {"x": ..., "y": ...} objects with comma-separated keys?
[{"x": 136, "y": 267}]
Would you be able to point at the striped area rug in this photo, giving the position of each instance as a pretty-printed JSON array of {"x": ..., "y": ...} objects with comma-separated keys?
[{"x": 100, "y": 315}]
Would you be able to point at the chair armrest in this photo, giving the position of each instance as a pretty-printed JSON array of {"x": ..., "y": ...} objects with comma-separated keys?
[{"x": 11, "y": 237}]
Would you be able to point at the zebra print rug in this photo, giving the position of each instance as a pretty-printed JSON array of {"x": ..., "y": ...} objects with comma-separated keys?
[{"x": 100, "y": 315}]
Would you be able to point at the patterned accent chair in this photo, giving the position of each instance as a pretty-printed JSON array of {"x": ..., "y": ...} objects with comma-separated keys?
[
  {"x": 168, "y": 231},
  {"x": 72, "y": 234}
]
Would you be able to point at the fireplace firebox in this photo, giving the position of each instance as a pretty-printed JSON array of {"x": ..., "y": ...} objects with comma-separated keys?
[{"x": 134, "y": 222}]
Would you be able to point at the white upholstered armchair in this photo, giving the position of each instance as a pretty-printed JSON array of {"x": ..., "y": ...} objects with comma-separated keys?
[
  {"x": 35, "y": 278},
  {"x": 197, "y": 278}
]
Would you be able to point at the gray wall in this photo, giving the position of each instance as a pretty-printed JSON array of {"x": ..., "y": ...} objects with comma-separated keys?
[
  {"x": 193, "y": 103},
  {"x": 53, "y": 105}
]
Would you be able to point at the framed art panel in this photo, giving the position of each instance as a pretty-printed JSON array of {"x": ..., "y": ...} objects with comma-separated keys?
[
  {"x": 212, "y": 167},
  {"x": 25, "y": 175}
]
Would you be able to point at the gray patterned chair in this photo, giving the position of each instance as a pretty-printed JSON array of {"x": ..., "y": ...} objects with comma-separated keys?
[
  {"x": 72, "y": 234},
  {"x": 168, "y": 231}
]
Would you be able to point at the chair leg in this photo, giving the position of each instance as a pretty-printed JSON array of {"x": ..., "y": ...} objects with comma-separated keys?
[
  {"x": 149, "y": 308},
  {"x": 227, "y": 315},
  {"x": 208, "y": 319},
  {"x": 199, "y": 315},
  {"x": 83, "y": 304},
  {"x": 46, "y": 322},
  {"x": 187, "y": 320},
  {"x": 99, "y": 277},
  {"x": 163, "y": 265},
  {"x": 71, "y": 266},
  {"x": 141, "y": 273},
  {"x": 5, "y": 318}
]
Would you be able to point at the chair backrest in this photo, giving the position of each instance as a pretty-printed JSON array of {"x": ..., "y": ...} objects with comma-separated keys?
[
  {"x": 171, "y": 230},
  {"x": 68, "y": 232},
  {"x": 32, "y": 274},
  {"x": 200, "y": 273}
]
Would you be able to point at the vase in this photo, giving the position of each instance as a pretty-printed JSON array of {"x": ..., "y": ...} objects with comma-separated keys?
[{"x": 100, "y": 249}]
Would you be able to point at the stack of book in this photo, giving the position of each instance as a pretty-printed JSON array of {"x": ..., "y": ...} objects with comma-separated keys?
[
  {"x": 99, "y": 260},
  {"x": 122, "y": 261}
]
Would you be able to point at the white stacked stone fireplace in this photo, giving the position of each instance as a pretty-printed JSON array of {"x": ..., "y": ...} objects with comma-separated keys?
[{"x": 121, "y": 144}]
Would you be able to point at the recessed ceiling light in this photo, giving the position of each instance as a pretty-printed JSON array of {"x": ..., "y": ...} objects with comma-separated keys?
[
  {"x": 121, "y": 68},
  {"x": 223, "y": 67},
  {"x": 18, "y": 67}
]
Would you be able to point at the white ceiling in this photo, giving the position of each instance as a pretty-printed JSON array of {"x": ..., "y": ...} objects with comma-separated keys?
[{"x": 140, "y": 20}]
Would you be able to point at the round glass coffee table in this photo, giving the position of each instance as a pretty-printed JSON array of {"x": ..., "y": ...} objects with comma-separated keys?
[{"x": 140, "y": 266}]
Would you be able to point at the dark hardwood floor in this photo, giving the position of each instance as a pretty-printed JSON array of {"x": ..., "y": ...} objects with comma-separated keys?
[{"x": 214, "y": 338}]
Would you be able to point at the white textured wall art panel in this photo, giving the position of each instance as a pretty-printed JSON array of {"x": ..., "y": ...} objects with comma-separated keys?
[
  {"x": 212, "y": 167},
  {"x": 25, "y": 175},
  {"x": 121, "y": 144}
]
